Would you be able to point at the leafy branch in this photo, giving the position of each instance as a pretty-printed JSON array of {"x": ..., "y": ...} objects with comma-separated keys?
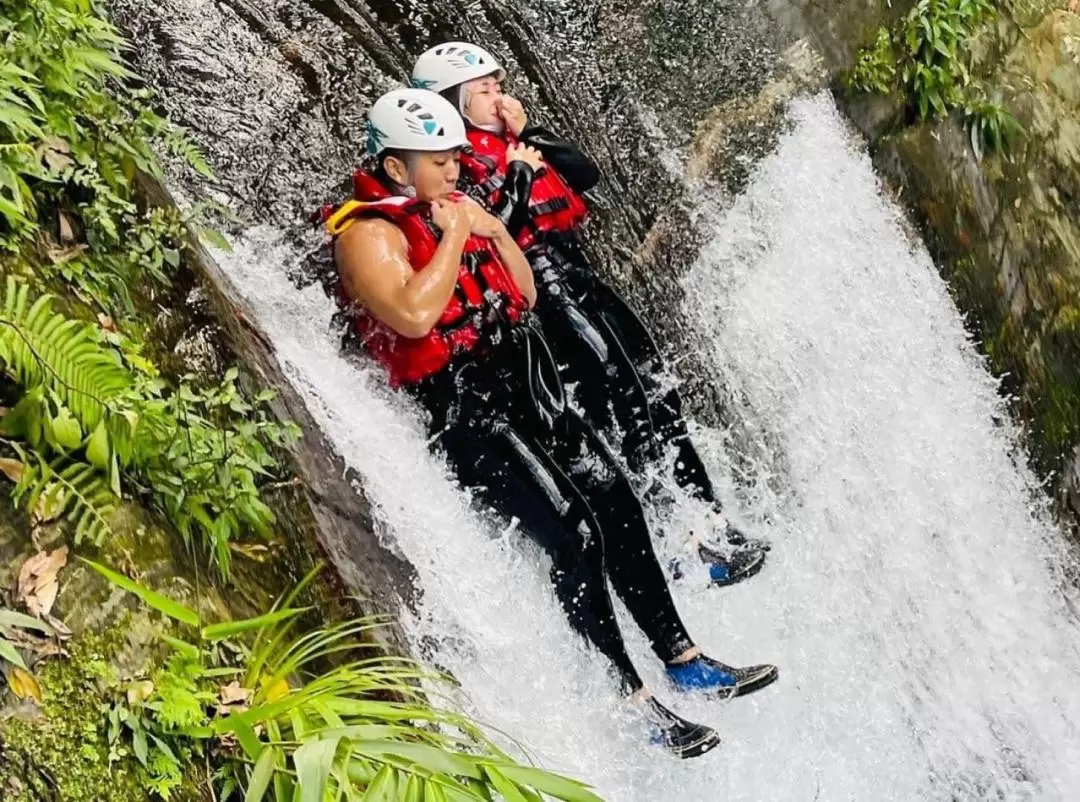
[{"x": 927, "y": 58}]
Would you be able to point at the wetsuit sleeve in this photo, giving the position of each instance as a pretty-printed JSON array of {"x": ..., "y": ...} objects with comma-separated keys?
[
  {"x": 577, "y": 169},
  {"x": 512, "y": 207}
]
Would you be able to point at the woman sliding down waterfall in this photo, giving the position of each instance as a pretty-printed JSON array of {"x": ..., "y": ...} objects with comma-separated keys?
[
  {"x": 440, "y": 294},
  {"x": 531, "y": 179}
]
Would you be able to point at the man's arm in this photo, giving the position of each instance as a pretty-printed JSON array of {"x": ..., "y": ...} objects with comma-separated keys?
[
  {"x": 372, "y": 259},
  {"x": 577, "y": 169}
]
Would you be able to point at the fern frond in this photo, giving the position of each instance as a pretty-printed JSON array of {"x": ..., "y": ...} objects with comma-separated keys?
[
  {"x": 66, "y": 489},
  {"x": 178, "y": 142},
  {"x": 42, "y": 347}
]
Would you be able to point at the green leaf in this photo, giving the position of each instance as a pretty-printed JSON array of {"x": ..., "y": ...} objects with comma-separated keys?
[
  {"x": 138, "y": 739},
  {"x": 414, "y": 789},
  {"x": 24, "y": 419},
  {"x": 261, "y": 776},
  {"x": 9, "y": 653},
  {"x": 65, "y": 430},
  {"x": 237, "y": 724},
  {"x": 437, "y": 761},
  {"x": 97, "y": 449},
  {"x": 552, "y": 784},
  {"x": 313, "y": 762},
  {"x": 10, "y": 618},
  {"x": 162, "y": 604},
  {"x": 384, "y": 787},
  {"x": 92, "y": 61},
  {"x": 214, "y": 238},
  {"x": 182, "y": 646},
  {"x": 504, "y": 786},
  {"x": 231, "y": 628}
]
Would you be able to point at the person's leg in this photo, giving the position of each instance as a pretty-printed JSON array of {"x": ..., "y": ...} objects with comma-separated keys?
[
  {"x": 665, "y": 404},
  {"x": 608, "y": 390},
  {"x": 631, "y": 562},
  {"x": 518, "y": 479},
  {"x": 632, "y": 566},
  {"x": 666, "y": 426}
]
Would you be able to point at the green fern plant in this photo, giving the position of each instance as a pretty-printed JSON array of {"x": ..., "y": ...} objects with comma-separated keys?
[
  {"x": 69, "y": 116},
  {"x": 200, "y": 455},
  {"x": 68, "y": 489},
  {"x": 40, "y": 347}
]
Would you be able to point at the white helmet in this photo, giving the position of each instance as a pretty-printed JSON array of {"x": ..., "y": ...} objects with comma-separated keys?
[
  {"x": 452, "y": 64},
  {"x": 414, "y": 119}
]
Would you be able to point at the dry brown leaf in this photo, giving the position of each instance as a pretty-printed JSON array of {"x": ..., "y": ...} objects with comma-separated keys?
[
  {"x": 256, "y": 552},
  {"x": 228, "y": 741},
  {"x": 57, "y": 153},
  {"x": 60, "y": 255},
  {"x": 43, "y": 599},
  {"x": 139, "y": 692},
  {"x": 11, "y": 468},
  {"x": 233, "y": 693},
  {"x": 50, "y": 504},
  {"x": 45, "y": 647},
  {"x": 106, "y": 322},
  {"x": 67, "y": 230},
  {"x": 60, "y": 629},
  {"x": 23, "y": 684},
  {"x": 38, "y": 584},
  {"x": 233, "y": 698}
]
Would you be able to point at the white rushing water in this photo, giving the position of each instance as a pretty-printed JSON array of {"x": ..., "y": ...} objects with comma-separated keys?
[{"x": 912, "y": 598}]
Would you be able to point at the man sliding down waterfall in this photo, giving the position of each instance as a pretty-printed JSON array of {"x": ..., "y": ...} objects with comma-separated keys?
[
  {"x": 440, "y": 294},
  {"x": 531, "y": 180}
]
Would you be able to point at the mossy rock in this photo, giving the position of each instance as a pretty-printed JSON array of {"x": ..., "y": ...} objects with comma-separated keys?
[{"x": 60, "y": 751}]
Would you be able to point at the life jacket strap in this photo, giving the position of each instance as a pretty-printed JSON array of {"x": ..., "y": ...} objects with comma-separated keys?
[
  {"x": 550, "y": 207},
  {"x": 342, "y": 219}
]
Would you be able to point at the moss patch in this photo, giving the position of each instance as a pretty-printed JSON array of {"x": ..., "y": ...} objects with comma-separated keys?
[{"x": 61, "y": 752}]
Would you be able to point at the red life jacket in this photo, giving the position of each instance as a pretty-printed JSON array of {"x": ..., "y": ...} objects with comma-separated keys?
[
  {"x": 553, "y": 206},
  {"x": 485, "y": 289}
]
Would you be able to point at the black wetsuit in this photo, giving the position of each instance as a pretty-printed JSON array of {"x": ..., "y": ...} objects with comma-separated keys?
[
  {"x": 600, "y": 343},
  {"x": 500, "y": 422}
]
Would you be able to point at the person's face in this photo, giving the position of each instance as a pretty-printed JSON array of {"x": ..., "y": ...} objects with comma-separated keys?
[
  {"x": 431, "y": 175},
  {"x": 483, "y": 98}
]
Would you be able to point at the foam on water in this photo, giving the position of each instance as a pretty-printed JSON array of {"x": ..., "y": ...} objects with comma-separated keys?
[{"x": 913, "y": 597}]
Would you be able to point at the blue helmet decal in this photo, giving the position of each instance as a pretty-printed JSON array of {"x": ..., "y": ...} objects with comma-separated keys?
[
  {"x": 375, "y": 138},
  {"x": 422, "y": 83},
  {"x": 470, "y": 58},
  {"x": 430, "y": 126}
]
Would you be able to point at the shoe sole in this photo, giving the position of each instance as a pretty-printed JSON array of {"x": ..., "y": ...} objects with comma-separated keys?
[
  {"x": 708, "y": 741},
  {"x": 757, "y": 683},
  {"x": 753, "y": 570}
]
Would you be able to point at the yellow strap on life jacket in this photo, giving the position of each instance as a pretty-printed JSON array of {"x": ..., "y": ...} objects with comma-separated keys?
[{"x": 345, "y": 215}]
